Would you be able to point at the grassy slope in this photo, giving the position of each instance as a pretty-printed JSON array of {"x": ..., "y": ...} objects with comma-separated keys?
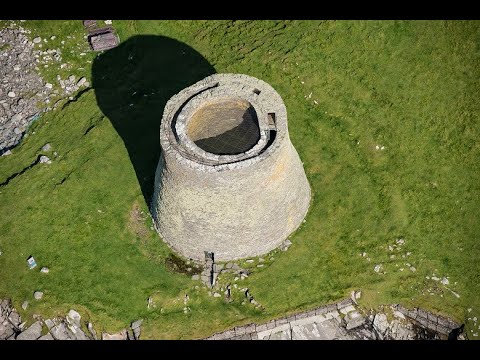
[{"x": 409, "y": 86}]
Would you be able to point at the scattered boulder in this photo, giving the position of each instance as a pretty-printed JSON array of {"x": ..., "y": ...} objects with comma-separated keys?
[
  {"x": 81, "y": 82},
  {"x": 46, "y": 147},
  {"x": 285, "y": 245},
  {"x": 37, "y": 40},
  {"x": 45, "y": 160},
  {"x": 38, "y": 295},
  {"x": 25, "y": 305}
]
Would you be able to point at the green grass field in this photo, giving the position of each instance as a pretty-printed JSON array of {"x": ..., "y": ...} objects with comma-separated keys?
[{"x": 349, "y": 86}]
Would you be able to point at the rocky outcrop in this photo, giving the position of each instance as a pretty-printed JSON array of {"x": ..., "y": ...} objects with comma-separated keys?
[
  {"x": 66, "y": 328},
  {"x": 24, "y": 94},
  {"x": 21, "y": 88}
]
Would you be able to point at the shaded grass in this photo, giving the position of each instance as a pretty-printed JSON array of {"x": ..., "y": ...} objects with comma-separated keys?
[{"x": 411, "y": 87}]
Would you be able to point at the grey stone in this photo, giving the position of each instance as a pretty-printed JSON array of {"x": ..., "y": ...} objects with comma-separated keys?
[
  {"x": 45, "y": 160},
  {"x": 4, "y": 305},
  {"x": 25, "y": 305},
  {"x": 327, "y": 330},
  {"x": 81, "y": 82},
  {"x": 260, "y": 328},
  {"x": 92, "y": 331},
  {"x": 130, "y": 335},
  {"x": 137, "y": 332},
  {"x": 74, "y": 317},
  {"x": 37, "y": 40},
  {"x": 136, "y": 324},
  {"x": 281, "y": 335},
  {"x": 32, "y": 333},
  {"x": 249, "y": 328},
  {"x": 344, "y": 303},
  {"x": 233, "y": 172},
  {"x": 49, "y": 323},
  {"x": 80, "y": 335},
  {"x": 14, "y": 318},
  {"x": 380, "y": 323},
  {"x": 61, "y": 332},
  {"x": 5, "y": 331},
  {"x": 46, "y": 147},
  {"x": 38, "y": 295},
  {"x": 195, "y": 277},
  {"x": 46, "y": 337},
  {"x": 354, "y": 320}
]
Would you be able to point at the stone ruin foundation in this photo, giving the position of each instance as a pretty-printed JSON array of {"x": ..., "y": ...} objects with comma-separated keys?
[{"x": 229, "y": 180}]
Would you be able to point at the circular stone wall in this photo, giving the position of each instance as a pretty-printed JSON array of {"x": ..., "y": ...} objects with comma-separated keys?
[
  {"x": 224, "y": 127},
  {"x": 229, "y": 181}
]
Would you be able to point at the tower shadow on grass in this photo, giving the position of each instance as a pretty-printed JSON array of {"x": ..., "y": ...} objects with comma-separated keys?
[{"x": 133, "y": 82}]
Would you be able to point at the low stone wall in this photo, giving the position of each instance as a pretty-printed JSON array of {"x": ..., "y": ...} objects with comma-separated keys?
[{"x": 345, "y": 320}]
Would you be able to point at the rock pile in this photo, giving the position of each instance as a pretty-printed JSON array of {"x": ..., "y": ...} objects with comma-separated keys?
[
  {"x": 21, "y": 88},
  {"x": 23, "y": 92}
]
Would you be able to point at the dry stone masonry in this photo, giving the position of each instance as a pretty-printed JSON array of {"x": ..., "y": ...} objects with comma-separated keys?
[{"x": 229, "y": 180}]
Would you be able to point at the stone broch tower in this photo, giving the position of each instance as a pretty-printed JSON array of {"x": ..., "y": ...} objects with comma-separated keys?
[{"x": 229, "y": 181}]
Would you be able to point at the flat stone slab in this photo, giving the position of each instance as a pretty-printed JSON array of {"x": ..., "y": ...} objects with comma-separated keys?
[{"x": 32, "y": 333}]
